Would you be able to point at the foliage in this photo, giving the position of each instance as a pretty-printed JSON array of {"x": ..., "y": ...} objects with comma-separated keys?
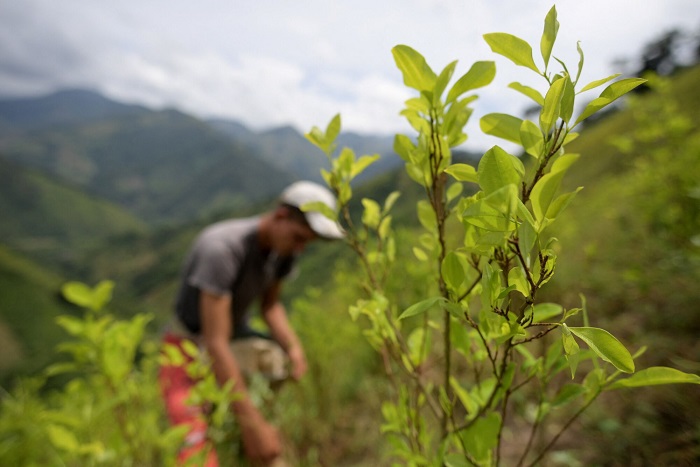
[
  {"x": 108, "y": 410},
  {"x": 151, "y": 164},
  {"x": 41, "y": 225},
  {"x": 28, "y": 307},
  {"x": 473, "y": 358},
  {"x": 638, "y": 260}
]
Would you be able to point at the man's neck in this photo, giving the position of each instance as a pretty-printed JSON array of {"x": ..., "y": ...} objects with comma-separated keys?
[{"x": 264, "y": 231}]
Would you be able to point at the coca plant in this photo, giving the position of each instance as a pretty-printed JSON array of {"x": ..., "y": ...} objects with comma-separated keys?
[{"x": 483, "y": 354}]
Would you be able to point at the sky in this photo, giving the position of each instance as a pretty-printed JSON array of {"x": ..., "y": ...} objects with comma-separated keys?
[{"x": 268, "y": 63}]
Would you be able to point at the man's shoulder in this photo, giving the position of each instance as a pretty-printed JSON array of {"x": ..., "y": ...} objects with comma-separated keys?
[
  {"x": 231, "y": 228},
  {"x": 229, "y": 233}
]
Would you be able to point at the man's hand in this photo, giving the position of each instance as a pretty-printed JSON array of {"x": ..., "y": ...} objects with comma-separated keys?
[
  {"x": 297, "y": 359},
  {"x": 275, "y": 316},
  {"x": 261, "y": 441}
]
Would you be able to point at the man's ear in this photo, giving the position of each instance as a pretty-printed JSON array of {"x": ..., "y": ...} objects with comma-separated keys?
[{"x": 281, "y": 212}]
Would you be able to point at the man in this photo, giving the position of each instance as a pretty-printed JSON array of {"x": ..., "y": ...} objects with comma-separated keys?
[{"x": 231, "y": 265}]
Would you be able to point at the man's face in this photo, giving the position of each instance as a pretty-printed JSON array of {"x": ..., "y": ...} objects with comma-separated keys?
[{"x": 290, "y": 236}]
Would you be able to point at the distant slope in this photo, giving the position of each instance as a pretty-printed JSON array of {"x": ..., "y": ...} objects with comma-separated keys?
[
  {"x": 67, "y": 107},
  {"x": 600, "y": 158},
  {"x": 162, "y": 166},
  {"x": 29, "y": 302},
  {"x": 287, "y": 149},
  {"x": 50, "y": 219}
]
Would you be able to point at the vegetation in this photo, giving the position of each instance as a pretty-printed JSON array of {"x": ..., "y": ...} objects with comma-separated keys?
[
  {"x": 469, "y": 374},
  {"x": 627, "y": 242},
  {"x": 151, "y": 164}
]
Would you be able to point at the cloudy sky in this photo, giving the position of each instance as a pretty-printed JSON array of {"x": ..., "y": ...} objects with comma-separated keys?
[{"x": 275, "y": 62}]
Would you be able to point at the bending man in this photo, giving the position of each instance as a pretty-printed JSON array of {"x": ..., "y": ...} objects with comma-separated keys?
[{"x": 231, "y": 265}]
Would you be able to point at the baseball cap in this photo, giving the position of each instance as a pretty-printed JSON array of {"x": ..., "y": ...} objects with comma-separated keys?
[{"x": 300, "y": 193}]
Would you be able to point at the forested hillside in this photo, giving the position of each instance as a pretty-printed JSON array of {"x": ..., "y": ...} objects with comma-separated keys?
[{"x": 160, "y": 166}]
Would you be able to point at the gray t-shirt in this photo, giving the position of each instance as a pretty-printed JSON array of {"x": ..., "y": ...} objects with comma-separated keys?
[{"x": 226, "y": 259}]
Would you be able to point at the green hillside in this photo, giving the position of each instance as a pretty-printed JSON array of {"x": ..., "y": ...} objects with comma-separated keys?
[
  {"x": 29, "y": 302},
  {"x": 52, "y": 221},
  {"x": 630, "y": 243},
  {"x": 161, "y": 166}
]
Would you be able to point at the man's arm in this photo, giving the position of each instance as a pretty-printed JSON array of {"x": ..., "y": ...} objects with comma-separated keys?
[
  {"x": 275, "y": 315},
  {"x": 260, "y": 439}
]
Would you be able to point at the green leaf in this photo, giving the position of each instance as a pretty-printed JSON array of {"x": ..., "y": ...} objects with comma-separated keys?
[
  {"x": 456, "y": 460},
  {"x": 518, "y": 280},
  {"x": 599, "y": 82},
  {"x": 610, "y": 95},
  {"x": 470, "y": 405},
  {"x": 570, "y": 345},
  {"x": 567, "y": 100},
  {"x": 654, "y": 376},
  {"x": 552, "y": 105},
  {"x": 481, "y": 437},
  {"x": 502, "y": 126},
  {"x": 325, "y": 140},
  {"x": 416, "y": 72},
  {"x": 456, "y": 118},
  {"x": 403, "y": 146},
  {"x": 390, "y": 201},
  {"x": 549, "y": 35},
  {"x": 77, "y": 293},
  {"x": 102, "y": 294},
  {"x": 361, "y": 164},
  {"x": 546, "y": 311},
  {"x": 580, "y": 61},
  {"x": 495, "y": 211},
  {"x": 532, "y": 93},
  {"x": 527, "y": 230},
  {"x": 92, "y": 298},
  {"x": 532, "y": 139},
  {"x": 497, "y": 169},
  {"x": 453, "y": 270},
  {"x": 72, "y": 324},
  {"x": 421, "y": 307},
  {"x": 59, "y": 368},
  {"x": 568, "y": 393},
  {"x": 426, "y": 215},
  {"x": 333, "y": 129},
  {"x": 317, "y": 138},
  {"x": 546, "y": 188},
  {"x": 418, "y": 343},
  {"x": 571, "y": 349},
  {"x": 479, "y": 75},
  {"x": 543, "y": 194},
  {"x": 454, "y": 191},
  {"x": 62, "y": 439},
  {"x": 371, "y": 214},
  {"x": 420, "y": 254},
  {"x": 463, "y": 172},
  {"x": 483, "y": 215},
  {"x": 513, "y": 48},
  {"x": 560, "y": 203},
  {"x": 443, "y": 80},
  {"x": 323, "y": 208},
  {"x": 606, "y": 346}
]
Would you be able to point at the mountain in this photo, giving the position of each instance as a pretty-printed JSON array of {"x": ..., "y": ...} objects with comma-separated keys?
[
  {"x": 52, "y": 220},
  {"x": 162, "y": 166},
  {"x": 67, "y": 107},
  {"x": 289, "y": 150}
]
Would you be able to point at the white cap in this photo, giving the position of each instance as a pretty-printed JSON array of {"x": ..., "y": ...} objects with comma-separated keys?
[{"x": 300, "y": 193}]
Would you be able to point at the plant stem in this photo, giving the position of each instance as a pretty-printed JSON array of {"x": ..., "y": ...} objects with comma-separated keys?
[{"x": 563, "y": 429}]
